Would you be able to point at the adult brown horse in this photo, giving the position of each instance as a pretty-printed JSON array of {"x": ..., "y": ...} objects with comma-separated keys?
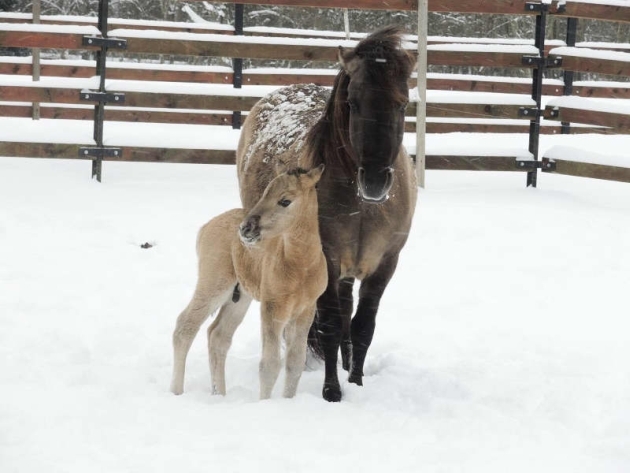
[{"x": 367, "y": 194}]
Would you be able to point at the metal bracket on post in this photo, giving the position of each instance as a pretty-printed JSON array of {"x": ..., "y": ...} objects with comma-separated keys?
[
  {"x": 534, "y": 7},
  {"x": 528, "y": 112},
  {"x": 102, "y": 97},
  {"x": 537, "y": 61},
  {"x": 92, "y": 152},
  {"x": 553, "y": 113},
  {"x": 546, "y": 165},
  {"x": 109, "y": 43}
]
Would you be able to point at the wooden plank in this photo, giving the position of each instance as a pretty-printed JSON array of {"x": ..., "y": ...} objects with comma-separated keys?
[
  {"x": 220, "y": 48},
  {"x": 38, "y": 39},
  {"x": 475, "y": 58},
  {"x": 463, "y": 6},
  {"x": 117, "y": 114},
  {"x": 489, "y": 85},
  {"x": 595, "y": 171},
  {"x": 473, "y": 110},
  {"x": 204, "y": 102},
  {"x": 132, "y": 99},
  {"x": 472, "y": 163},
  {"x": 351, "y": 4},
  {"x": 619, "y": 122},
  {"x": 593, "y": 11},
  {"x": 288, "y": 79},
  {"x": 39, "y": 94},
  {"x": 617, "y": 92},
  {"x": 168, "y": 155},
  {"x": 596, "y": 65},
  {"x": 137, "y": 154},
  {"x": 40, "y": 150}
]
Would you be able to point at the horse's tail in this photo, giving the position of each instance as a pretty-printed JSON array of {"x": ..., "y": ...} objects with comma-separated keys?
[{"x": 314, "y": 342}]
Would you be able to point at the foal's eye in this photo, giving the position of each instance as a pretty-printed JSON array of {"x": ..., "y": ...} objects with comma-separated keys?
[{"x": 284, "y": 202}]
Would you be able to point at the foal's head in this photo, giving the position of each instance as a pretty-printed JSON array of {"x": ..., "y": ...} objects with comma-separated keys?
[
  {"x": 378, "y": 69},
  {"x": 288, "y": 198}
]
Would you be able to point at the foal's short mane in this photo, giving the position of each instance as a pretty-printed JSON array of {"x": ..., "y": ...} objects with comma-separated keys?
[
  {"x": 386, "y": 63},
  {"x": 297, "y": 172}
]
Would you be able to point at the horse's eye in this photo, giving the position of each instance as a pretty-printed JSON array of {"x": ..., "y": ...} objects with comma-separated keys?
[
  {"x": 284, "y": 202},
  {"x": 353, "y": 105},
  {"x": 404, "y": 106}
]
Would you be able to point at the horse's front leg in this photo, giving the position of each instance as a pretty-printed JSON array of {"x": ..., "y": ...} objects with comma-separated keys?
[
  {"x": 346, "y": 303},
  {"x": 364, "y": 322},
  {"x": 329, "y": 328}
]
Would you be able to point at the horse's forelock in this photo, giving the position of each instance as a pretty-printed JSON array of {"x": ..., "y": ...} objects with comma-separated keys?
[{"x": 386, "y": 65}]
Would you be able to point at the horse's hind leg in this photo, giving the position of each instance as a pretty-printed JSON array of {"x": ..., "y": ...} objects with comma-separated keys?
[
  {"x": 220, "y": 335},
  {"x": 203, "y": 303},
  {"x": 364, "y": 322},
  {"x": 296, "y": 334}
]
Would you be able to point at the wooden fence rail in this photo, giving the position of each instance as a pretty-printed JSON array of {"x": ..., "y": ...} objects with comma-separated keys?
[{"x": 488, "y": 112}]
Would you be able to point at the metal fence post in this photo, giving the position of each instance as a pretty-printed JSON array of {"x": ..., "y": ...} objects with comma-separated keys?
[
  {"x": 537, "y": 85},
  {"x": 237, "y": 63},
  {"x": 36, "y": 62},
  {"x": 421, "y": 109},
  {"x": 572, "y": 24},
  {"x": 101, "y": 97}
]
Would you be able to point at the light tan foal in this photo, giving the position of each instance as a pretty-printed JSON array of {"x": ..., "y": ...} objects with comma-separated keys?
[{"x": 272, "y": 254}]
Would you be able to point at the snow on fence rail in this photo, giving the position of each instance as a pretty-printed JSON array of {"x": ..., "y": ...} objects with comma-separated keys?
[{"x": 204, "y": 98}]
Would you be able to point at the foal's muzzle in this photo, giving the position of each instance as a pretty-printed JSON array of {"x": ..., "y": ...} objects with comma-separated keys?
[
  {"x": 374, "y": 187},
  {"x": 249, "y": 230}
]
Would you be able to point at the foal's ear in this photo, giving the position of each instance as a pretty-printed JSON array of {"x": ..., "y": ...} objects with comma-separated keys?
[{"x": 315, "y": 174}]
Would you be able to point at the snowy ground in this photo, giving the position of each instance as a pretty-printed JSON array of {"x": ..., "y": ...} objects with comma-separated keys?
[{"x": 501, "y": 346}]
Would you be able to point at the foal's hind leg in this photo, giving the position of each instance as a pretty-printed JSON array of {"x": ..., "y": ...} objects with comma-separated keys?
[
  {"x": 204, "y": 302},
  {"x": 220, "y": 335},
  {"x": 296, "y": 334}
]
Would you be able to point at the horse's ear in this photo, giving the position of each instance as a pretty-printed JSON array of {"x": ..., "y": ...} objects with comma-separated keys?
[
  {"x": 413, "y": 59},
  {"x": 347, "y": 60},
  {"x": 315, "y": 174}
]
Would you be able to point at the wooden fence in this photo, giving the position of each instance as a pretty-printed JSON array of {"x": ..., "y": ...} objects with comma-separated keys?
[{"x": 205, "y": 95}]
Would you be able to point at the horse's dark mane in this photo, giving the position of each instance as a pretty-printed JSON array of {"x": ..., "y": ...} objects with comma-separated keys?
[{"x": 328, "y": 141}]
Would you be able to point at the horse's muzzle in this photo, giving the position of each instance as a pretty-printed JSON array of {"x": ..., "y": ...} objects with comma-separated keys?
[
  {"x": 249, "y": 230},
  {"x": 374, "y": 187}
]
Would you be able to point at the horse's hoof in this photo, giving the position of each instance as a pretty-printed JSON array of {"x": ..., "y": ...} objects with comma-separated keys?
[
  {"x": 356, "y": 379},
  {"x": 332, "y": 393}
]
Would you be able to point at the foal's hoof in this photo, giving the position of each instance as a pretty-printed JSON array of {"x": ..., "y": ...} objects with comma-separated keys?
[
  {"x": 331, "y": 393},
  {"x": 356, "y": 379}
]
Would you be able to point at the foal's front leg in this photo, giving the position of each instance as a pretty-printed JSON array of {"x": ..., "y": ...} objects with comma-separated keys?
[
  {"x": 273, "y": 321},
  {"x": 296, "y": 335}
]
